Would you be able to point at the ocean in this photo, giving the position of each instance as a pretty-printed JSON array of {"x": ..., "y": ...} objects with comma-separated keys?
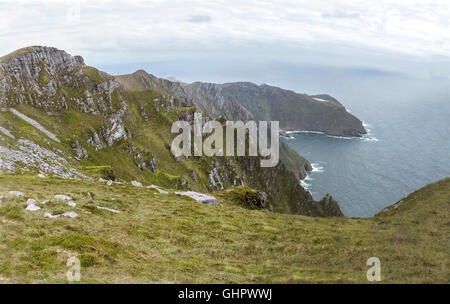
[
  {"x": 407, "y": 115},
  {"x": 407, "y": 146}
]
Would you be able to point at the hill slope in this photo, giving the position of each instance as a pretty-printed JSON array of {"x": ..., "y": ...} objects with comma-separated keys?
[
  {"x": 60, "y": 117},
  {"x": 165, "y": 238},
  {"x": 246, "y": 101}
]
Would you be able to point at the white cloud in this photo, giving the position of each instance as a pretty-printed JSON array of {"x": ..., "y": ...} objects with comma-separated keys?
[{"x": 105, "y": 30}]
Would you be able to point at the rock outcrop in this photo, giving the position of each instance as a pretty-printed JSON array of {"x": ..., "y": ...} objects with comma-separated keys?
[
  {"x": 330, "y": 206},
  {"x": 104, "y": 121},
  {"x": 248, "y": 101}
]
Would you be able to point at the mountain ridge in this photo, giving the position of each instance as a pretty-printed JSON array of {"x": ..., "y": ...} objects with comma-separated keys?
[
  {"x": 109, "y": 132},
  {"x": 248, "y": 101}
]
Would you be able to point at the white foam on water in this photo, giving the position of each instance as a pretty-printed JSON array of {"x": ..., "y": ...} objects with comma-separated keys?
[
  {"x": 316, "y": 167},
  {"x": 287, "y": 136},
  {"x": 368, "y": 137},
  {"x": 319, "y": 132},
  {"x": 305, "y": 184}
]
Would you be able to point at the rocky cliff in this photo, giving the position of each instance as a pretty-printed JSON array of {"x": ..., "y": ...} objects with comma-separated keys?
[
  {"x": 60, "y": 117},
  {"x": 246, "y": 100}
]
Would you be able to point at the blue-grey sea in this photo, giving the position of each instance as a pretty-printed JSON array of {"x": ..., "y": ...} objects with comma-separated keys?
[
  {"x": 408, "y": 145},
  {"x": 407, "y": 116}
]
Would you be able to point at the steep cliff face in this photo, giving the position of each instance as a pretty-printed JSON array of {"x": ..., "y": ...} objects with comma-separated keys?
[
  {"x": 246, "y": 100},
  {"x": 301, "y": 112},
  {"x": 83, "y": 124},
  {"x": 52, "y": 80},
  {"x": 211, "y": 99},
  {"x": 207, "y": 97}
]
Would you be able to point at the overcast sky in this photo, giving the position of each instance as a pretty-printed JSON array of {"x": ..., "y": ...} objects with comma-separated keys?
[{"x": 122, "y": 35}]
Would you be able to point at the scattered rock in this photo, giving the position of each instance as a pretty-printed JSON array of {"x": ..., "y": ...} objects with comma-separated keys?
[
  {"x": 80, "y": 152},
  {"x": 32, "y": 207},
  {"x": 136, "y": 184},
  {"x": 152, "y": 164},
  {"x": 66, "y": 214},
  {"x": 26, "y": 155},
  {"x": 62, "y": 197},
  {"x": 108, "y": 209},
  {"x": 31, "y": 201},
  {"x": 35, "y": 124},
  {"x": 109, "y": 183},
  {"x": 199, "y": 197},
  {"x": 40, "y": 175},
  {"x": 95, "y": 141},
  {"x": 157, "y": 188},
  {"x": 7, "y": 133},
  {"x": 16, "y": 193},
  {"x": 182, "y": 184},
  {"x": 72, "y": 204},
  {"x": 214, "y": 179},
  {"x": 193, "y": 175},
  {"x": 70, "y": 214},
  {"x": 45, "y": 202},
  {"x": 145, "y": 161}
]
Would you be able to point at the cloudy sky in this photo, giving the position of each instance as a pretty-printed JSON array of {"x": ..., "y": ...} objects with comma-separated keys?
[{"x": 119, "y": 36}]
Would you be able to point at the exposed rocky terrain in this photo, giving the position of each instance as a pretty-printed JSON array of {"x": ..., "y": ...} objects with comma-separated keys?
[
  {"x": 60, "y": 117},
  {"x": 248, "y": 101},
  {"x": 86, "y": 172}
]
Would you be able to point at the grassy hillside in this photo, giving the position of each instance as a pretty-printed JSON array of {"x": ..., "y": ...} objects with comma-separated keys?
[
  {"x": 161, "y": 238},
  {"x": 105, "y": 129}
]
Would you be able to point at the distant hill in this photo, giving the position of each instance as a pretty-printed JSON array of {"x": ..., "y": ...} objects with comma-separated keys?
[{"x": 246, "y": 100}]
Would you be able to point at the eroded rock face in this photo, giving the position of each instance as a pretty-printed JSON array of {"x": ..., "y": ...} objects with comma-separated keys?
[
  {"x": 330, "y": 206},
  {"x": 30, "y": 73},
  {"x": 243, "y": 100},
  {"x": 115, "y": 130},
  {"x": 136, "y": 184},
  {"x": 193, "y": 175},
  {"x": 144, "y": 161},
  {"x": 95, "y": 141},
  {"x": 29, "y": 156},
  {"x": 80, "y": 152},
  {"x": 214, "y": 179},
  {"x": 52, "y": 80},
  {"x": 181, "y": 183}
]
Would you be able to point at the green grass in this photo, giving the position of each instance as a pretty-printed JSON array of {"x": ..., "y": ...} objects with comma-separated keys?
[
  {"x": 15, "y": 54},
  {"x": 171, "y": 239}
]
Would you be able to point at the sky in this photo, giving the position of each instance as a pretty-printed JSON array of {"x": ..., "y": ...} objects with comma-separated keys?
[{"x": 228, "y": 40}]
